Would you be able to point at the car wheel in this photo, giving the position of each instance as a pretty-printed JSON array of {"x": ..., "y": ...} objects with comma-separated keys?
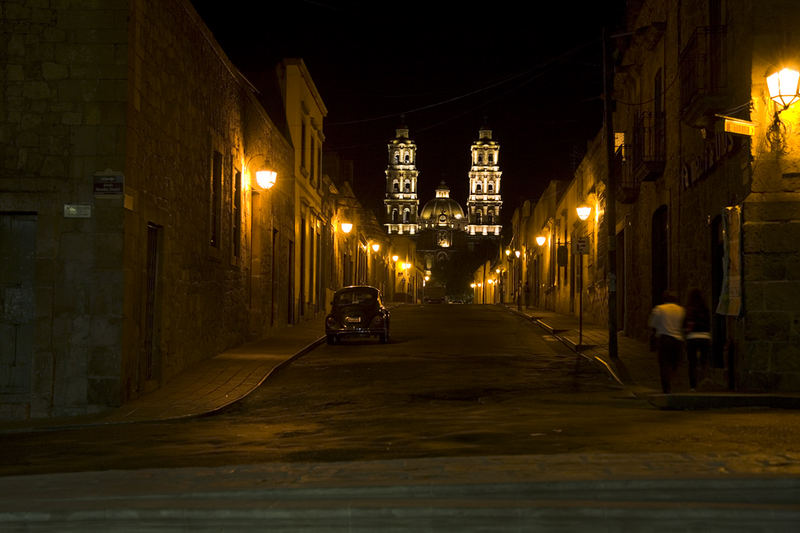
[{"x": 331, "y": 339}]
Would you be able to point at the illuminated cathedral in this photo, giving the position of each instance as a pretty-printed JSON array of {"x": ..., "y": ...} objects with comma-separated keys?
[{"x": 449, "y": 238}]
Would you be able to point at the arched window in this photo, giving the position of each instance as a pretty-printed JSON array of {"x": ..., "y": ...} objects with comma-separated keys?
[
  {"x": 396, "y": 187},
  {"x": 408, "y": 186},
  {"x": 477, "y": 217},
  {"x": 490, "y": 218},
  {"x": 394, "y": 215},
  {"x": 478, "y": 187},
  {"x": 396, "y": 157},
  {"x": 408, "y": 158},
  {"x": 480, "y": 159},
  {"x": 491, "y": 158},
  {"x": 406, "y": 216},
  {"x": 490, "y": 188}
]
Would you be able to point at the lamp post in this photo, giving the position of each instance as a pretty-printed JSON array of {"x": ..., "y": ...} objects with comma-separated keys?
[{"x": 583, "y": 213}]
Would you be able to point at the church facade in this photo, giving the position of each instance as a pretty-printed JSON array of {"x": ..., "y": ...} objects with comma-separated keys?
[{"x": 448, "y": 236}]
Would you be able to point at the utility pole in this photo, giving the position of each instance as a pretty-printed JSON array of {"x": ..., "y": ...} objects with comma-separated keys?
[{"x": 611, "y": 193}]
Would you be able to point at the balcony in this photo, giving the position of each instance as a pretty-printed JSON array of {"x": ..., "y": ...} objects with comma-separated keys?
[
  {"x": 627, "y": 185},
  {"x": 703, "y": 74},
  {"x": 648, "y": 152}
]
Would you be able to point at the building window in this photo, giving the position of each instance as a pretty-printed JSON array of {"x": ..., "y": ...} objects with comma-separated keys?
[
  {"x": 303, "y": 144},
  {"x": 236, "y": 214},
  {"x": 215, "y": 199},
  {"x": 478, "y": 187},
  {"x": 406, "y": 216},
  {"x": 480, "y": 159},
  {"x": 396, "y": 187},
  {"x": 491, "y": 188},
  {"x": 313, "y": 173},
  {"x": 477, "y": 217},
  {"x": 394, "y": 215},
  {"x": 408, "y": 186},
  {"x": 396, "y": 157},
  {"x": 491, "y": 159},
  {"x": 407, "y": 158}
]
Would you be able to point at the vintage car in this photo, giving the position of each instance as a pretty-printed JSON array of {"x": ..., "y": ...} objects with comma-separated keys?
[{"x": 357, "y": 311}]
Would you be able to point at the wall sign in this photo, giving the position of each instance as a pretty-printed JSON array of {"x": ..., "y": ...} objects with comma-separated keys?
[{"x": 108, "y": 183}]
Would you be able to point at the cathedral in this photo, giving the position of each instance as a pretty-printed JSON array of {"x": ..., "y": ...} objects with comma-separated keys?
[{"x": 451, "y": 241}]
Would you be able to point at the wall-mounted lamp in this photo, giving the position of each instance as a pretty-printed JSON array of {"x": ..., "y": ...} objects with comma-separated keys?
[
  {"x": 583, "y": 211},
  {"x": 784, "y": 86},
  {"x": 266, "y": 178},
  {"x": 517, "y": 253},
  {"x": 347, "y": 227},
  {"x": 508, "y": 252},
  {"x": 395, "y": 258},
  {"x": 540, "y": 240},
  {"x": 376, "y": 247}
]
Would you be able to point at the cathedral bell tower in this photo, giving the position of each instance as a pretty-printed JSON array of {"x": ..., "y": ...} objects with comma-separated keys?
[
  {"x": 484, "y": 200},
  {"x": 400, "y": 196}
]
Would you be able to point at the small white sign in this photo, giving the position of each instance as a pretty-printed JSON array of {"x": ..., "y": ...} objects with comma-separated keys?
[{"x": 77, "y": 211}]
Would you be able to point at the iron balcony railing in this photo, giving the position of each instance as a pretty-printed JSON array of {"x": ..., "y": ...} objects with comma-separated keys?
[
  {"x": 627, "y": 185},
  {"x": 648, "y": 154}
]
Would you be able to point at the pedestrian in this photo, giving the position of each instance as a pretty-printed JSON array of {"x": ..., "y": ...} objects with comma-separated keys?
[
  {"x": 697, "y": 326},
  {"x": 667, "y": 321}
]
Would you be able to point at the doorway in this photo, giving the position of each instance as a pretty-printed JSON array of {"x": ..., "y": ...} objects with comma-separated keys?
[
  {"x": 18, "y": 312},
  {"x": 151, "y": 371},
  {"x": 660, "y": 254}
]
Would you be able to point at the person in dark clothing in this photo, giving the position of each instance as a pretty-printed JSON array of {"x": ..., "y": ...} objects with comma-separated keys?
[{"x": 697, "y": 328}]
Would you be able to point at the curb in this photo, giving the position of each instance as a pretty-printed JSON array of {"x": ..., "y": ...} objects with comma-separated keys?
[{"x": 99, "y": 423}]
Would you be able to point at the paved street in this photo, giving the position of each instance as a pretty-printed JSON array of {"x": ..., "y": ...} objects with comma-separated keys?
[{"x": 463, "y": 397}]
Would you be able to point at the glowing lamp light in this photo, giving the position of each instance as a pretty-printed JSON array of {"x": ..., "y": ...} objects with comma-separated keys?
[
  {"x": 517, "y": 253},
  {"x": 783, "y": 87},
  {"x": 540, "y": 240},
  {"x": 583, "y": 212},
  {"x": 376, "y": 247},
  {"x": 347, "y": 227},
  {"x": 266, "y": 178},
  {"x": 508, "y": 252},
  {"x": 472, "y": 285},
  {"x": 395, "y": 258}
]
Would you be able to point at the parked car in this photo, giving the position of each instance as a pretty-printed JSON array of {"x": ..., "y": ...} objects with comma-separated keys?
[{"x": 357, "y": 311}]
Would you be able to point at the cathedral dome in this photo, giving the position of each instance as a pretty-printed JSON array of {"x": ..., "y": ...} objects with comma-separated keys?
[{"x": 442, "y": 205}]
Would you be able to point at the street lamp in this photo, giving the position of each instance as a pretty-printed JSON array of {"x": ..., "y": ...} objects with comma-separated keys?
[
  {"x": 266, "y": 178},
  {"x": 376, "y": 247},
  {"x": 583, "y": 213},
  {"x": 347, "y": 227},
  {"x": 540, "y": 240},
  {"x": 784, "y": 86}
]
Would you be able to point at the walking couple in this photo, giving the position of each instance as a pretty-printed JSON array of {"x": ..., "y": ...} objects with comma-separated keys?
[{"x": 672, "y": 325}]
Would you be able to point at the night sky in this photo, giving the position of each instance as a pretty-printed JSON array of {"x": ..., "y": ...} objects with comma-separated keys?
[{"x": 535, "y": 77}]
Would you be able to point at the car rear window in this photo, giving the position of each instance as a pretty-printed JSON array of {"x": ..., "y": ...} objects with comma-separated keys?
[{"x": 355, "y": 297}]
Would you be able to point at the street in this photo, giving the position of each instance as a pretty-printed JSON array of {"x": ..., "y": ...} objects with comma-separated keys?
[
  {"x": 455, "y": 380},
  {"x": 456, "y": 383}
]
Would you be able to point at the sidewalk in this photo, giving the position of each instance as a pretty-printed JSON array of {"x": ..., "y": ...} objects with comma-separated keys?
[
  {"x": 636, "y": 367},
  {"x": 208, "y": 386}
]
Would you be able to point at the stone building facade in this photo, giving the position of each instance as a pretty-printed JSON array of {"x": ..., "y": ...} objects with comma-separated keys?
[
  {"x": 135, "y": 238},
  {"x": 706, "y": 184}
]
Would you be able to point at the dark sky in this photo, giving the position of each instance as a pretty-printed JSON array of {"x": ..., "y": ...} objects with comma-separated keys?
[{"x": 532, "y": 69}]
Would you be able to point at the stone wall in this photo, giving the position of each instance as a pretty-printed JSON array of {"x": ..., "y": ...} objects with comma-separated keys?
[
  {"x": 64, "y": 100},
  {"x": 137, "y": 89}
]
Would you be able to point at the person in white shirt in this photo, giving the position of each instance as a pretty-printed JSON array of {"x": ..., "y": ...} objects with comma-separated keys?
[{"x": 667, "y": 321}]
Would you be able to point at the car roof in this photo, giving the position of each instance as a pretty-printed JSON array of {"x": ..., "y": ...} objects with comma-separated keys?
[{"x": 358, "y": 288}]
